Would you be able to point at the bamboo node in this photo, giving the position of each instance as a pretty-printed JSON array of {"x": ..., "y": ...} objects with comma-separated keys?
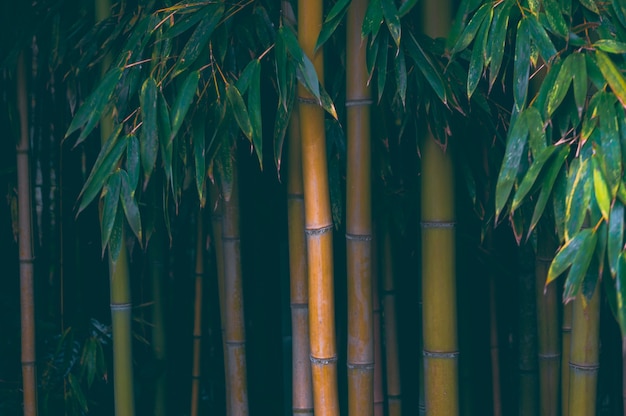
[
  {"x": 29, "y": 363},
  {"x": 359, "y": 102},
  {"x": 120, "y": 306},
  {"x": 299, "y": 305},
  {"x": 438, "y": 224},
  {"x": 436, "y": 354},
  {"x": 549, "y": 356},
  {"x": 543, "y": 259},
  {"x": 297, "y": 197},
  {"x": 584, "y": 367},
  {"x": 323, "y": 361},
  {"x": 359, "y": 237},
  {"x": 360, "y": 366},
  {"x": 318, "y": 231},
  {"x": 306, "y": 100}
]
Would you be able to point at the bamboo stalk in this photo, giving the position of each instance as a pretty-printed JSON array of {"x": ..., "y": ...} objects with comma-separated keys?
[
  {"x": 494, "y": 345},
  {"x": 318, "y": 222},
  {"x": 379, "y": 368},
  {"x": 566, "y": 346},
  {"x": 197, "y": 319},
  {"x": 392, "y": 358},
  {"x": 527, "y": 355},
  {"x": 547, "y": 326},
  {"x": 584, "y": 360},
  {"x": 25, "y": 244},
  {"x": 359, "y": 220},
  {"x": 235, "y": 333},
  {"x": 155, "y": 254},
  {"x": 302, "y": 391}
]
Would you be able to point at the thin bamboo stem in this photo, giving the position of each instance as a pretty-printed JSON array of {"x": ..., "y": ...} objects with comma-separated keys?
[
  {"x": 379, "y": 368},
  {"x": 235, "y": 333},
  {"x": 494, "y": 346},
  {"x": 359, "y": 220},
  {"x": 527, "y": 355},
  {"x": 25, "y": 244},
  {"x": 155, "y": 254},
  {"x": 566, "y": 337},
  {"x": 547, "y": 324},
  {"x": 584, "y": 359},
  {"x": 392, "y": 358},
  {"x": 302, "y": 391},
  {"x": 197, "y": 319},
  {"x": 318, "y": 222}
]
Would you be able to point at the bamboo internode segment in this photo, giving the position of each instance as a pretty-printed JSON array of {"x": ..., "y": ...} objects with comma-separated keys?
[
  {"x": 584, "y": 360},
  {"x": 197, "y": 320},
  {"x": 27, "y": 299},
  {"x": 566, "y": 337}
]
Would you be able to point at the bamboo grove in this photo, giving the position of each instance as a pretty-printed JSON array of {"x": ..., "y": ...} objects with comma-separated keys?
[{"x": 363, "y": 207}]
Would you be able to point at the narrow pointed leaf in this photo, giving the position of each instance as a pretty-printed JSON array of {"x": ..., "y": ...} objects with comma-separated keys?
[
  {"x": 77, "y": 392},
  {"x": 109, "y": 208},
  {"x": 620, "y": 12},
  {"x": 239, "y": 111},
  {"x": 578, "y": 200},
  {"x": 591, "y": 5},
  {"x": 601, "y": 190},
  {"x": 555, "y": 19},
  {"x": 531, "y": 176},
  {"x": 406, "y": 7},
  {"x": 477, "y": 60},
  {"x": 558, "y": 203},
  {"x": 191, "y": 17},
  {"x": 133, "y": 165},
  {"x": 373, "y": 19},
  {"x": 537, "y": 134},
  {"x": 610, "y": 46},
  {"x": 381, "y": 64},
  {"x": 547, "y": 184},
  {"x": 581, "y": 263},
  {"x": 612, "y": 75},
  {"x": 561, "y": 85},
  {"x": 327, "y": 103},
  {"x": 611, "y": 150},
  {"x": 254, "y": 110},
  {"x": 470, "y": 31},
  {"x": 149, "y": 128},
  {"x": 542, "y": 41},
  {"x": 199, "y": 150},
  {"x": 332, "y": 21},
  {"x": 165, "y": 132},
  {"x": 545, "y": 89},
  {"x": 567, "y": 254},
  {"x": 521, "y": 64},
  {"x": 620, "y": 288},
  {"x": 131, "y": 208},
  {"x": 306, "y": 71},
  {"x": 183, "y": 102},
  {"x": 401, "y": 77},
  {"x": 497, "y": 39},
  {"x": 246, "y": 76},
  {"x": 427, "y": 68},
  {"x": 579, "y": 81},
  {"x": 117, "y": 236},
  {"x": 91, "y": 111},
  {"x": 615, "y": 243},
  {"x": 390, "y": 13}
]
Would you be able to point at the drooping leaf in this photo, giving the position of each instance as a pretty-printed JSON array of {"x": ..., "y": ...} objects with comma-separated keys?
[
  {"x": 306, "y": 71},
  {"x": 477, "y": 60},
  {"x": 199, "y": 38},
  {"x": 381, "y": 64},
  {"x": 590, "y": 4},
  {"x": 88, "y": 360},
  {"x": 225, "y": 168},
  {"x": 131, "y": 208},
  {"x": 470, "y": 31},
  {"x": 521, "y": 64},
  {"x": 537, "y": 133},
  {"x": 183, "y": 102},
  {"x": 149, "y": 145},
  {"x": 327, "y": 103},
  {"x": 117, "y": 236},
  {"x": 610, "y": 46},
  {"x": 542, "y": 41},
  {"x": 579, "y": 81},
  {"x": 555, "y": 19},
  {"x": 199, "y": 149},
  {"x": 190, "y": 16},
  {"x": 545, "y": 89},
  {"x": 615, "y": 243},
  {"x": 77, "y": 392},
  {"x": 90, "y": 112},
  {"x": 390, "y": 14},
  {"x": 620, "y": 288},
  {"x": 133, "y": 164},
  {"x": 406, "y": 7},
  {"x": 620, "y": 11},
  {"x": 601, "y": 190},
  {"x": 373, "y": 19},
  {"x": 558, "y": 203},
  {"x": 611, "y": 151},
  {"x": 335, "y": 16},
  {"x": 578, "y": 199},
  {"x": 165, "y": 132},
  {"x": 109, "y": 208},
  {"x": 613, "y": 76},
  {"x": 401, "y": 76},
  {"x": 580, "y": 265},
  {"x": 254, "y": 110},
  {"x": 246, "y": 76},
  {"x": 427, "y": 68},
  {"x": 590, "y": 119},
  {"x": 515, "y": 145},
  {"x": 497, "y": 39},
  {"x": 239, "y": 111},
  {"x": 567, "y": 254},
  {"x": 531, "y": 176},
  {"x": 561, "y": 85},
  {"x": 281, "y": 123}
]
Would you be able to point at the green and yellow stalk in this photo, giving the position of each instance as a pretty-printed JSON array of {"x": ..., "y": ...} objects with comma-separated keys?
[
  {"x": 359, "y": 219},
  {"x": 566, "y": 346}
]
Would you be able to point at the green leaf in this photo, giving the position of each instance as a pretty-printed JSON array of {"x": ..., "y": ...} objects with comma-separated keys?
[
  {"x": 381, "y": 64},
  {"x": 306, "y": 71},
  {"x": 537, "y": 132},
  {"x": 427, "y": 68},
  {"x": 77, "y": 392},
  {"x": 610, "y": 46},
  {"x": 88, "y": 360},
  {"x": 401, "y": 77},
  {"x": 610, "y": 148},
  {"x": 225, "y": 168},
  {"x": 165, "y": 129},
  {"x": 131, "y": 208},
  {"x": 191, "y": 15},
  {"x": 567, "y": 254},
  {"x": 561, "y": 85},
  {"x": 107, "y": 161},
  {"x": 373, "y": 19},
  {"x": 477, "y": 60},
  {"x": 578, "y": 199},
  {"x": 579, "y": 81},
  {"x": 546, "y": 86},
  {"x": 239, "y": 111},
  {"x": 541, "y": 39},
  {"x": 246, "y": 76},
  {"x": 615, "y": 243},
  {"x": 283, "y": 114},
  {"x": 590, "y": 119},
  {"x": 531, "y": 176},
  {"x": 132, "y": 161},
  {"x": 199, "y": 38},
  {"x": 254, "y": 109},
  {"x": 603, "y": 197},
  {"x": 327, "y": 103},
  {"x": 281, "y": 64},
  {"x": 149, "y": 128},
  {"x": 521, "y": 64},
  {"x": 581, "y": 263},
  {"x": 591, "y": 5},
  {"x": 620, "y": 287},
  {"x": 620, "y": 11},
  {"x": 612, "y": 75},
  {"x": 497, "y": 39},
  {"x": 183, "y": 102},
  {"x": 91, "y": 111},
  {"x": 109, "y": 208},
  {"x": 406, "y": 7},
  {"x": 470, "y": 31},
  {"x": 515, "y": 145},
  {"x": 335, "y": 16},
  {"x": 199, "y": 150},
  {"x": 117, "y": 237},
  {"x": 390, "y": 13},
  {"x": 555, "y": 19}
]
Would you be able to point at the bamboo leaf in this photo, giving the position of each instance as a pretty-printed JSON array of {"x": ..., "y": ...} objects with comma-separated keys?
[
  {"x": 531, "y": 176},
  {"x": 77, "y": 392},
  {"x": 581, "y": 263},
  {"x": 427, "y": 68},
  {"x": 199, "y": 150},
  {"x": 470, "y": 31},
  {"x": 558, "y": 203},
  {"x": 183, "y": 102},
  {"x": 610, "y": 46},
  {"x": 132, "y": 161},
  {"x": 335, "y": 16},
  {"x": 541, "y": 39},
  {"x": 327, "y": 103},
  {"x": 477, "y": 60},
  {"x": 107, "y": 161},
  {"x": 190, "y": 17},
  {"x": 238, "y": 107},
  {"x": 555, "y": 19},
  {"x": 546, "y": 86},
  {"x": 620, "y": 11},
  {"x": 567, "y": 254},
  {"x": 516, "y": 142},
  {"x": 130, "y": 206},
  {"x": 199, "y": 38},
  {"x": 620, "y": 288},
  {"x": 401, "y": 77},
  {"x": 88, "y": 360},
  {"x": 547, "y": 185},
  {"x": 579, "y": 81},
  {"x": 560, "y": 87},
  {"x": 612, "y": 75},
  {"x": 537, "y": 134},
  {"x": 91, "y": 111},
  {"x": 109, "y": 208},
  {"x": 149, "y": 129},
  {"x": 603, "y": 198},
  {"x": 390, "y": 13},
  {"x": 497, "y": 39},
  {"x": 117, "y": 236},
  {"x": 280, "y": 55},
  {"x": 578, "y": 199},
  {"x": 590, "y": 119},
  {"x": 165, "y": 129},
  {"x": 591, "y": 5},
  {"x": 306, "y": 71},
  {"x": 406, "y": 7},
  {"x": 373, "y": 19},
  {"x": 225, "y": 168},
  {"x": 246, "y": 76},
  {"x": 615, "y": 243},
  {"x": 281, "y": 123},
  {"x": 381, "y": 64},
  {"x": 611, "y": 151},
  {"x": 521, "y": 64},
  {"x": 254, "y": 109}
]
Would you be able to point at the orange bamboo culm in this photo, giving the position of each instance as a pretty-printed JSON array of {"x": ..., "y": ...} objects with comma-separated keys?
[
  {"x": 359, "y": 219},
  {"x": 197, "y": 320},
  {"x": 235, "y": 334},
  {"x": 302, "y": 392},
  {"x": 318, "y": 222},
  {"x": 26, "y": 257}
]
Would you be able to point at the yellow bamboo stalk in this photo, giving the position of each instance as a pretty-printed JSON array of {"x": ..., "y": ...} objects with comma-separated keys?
[
  {"x": 302, "y": 391},
  {"x": 547, "y": 325},
  {"x": 392, "y": 358},
  {"x": 25, "y": 244},
  {"x": 566, "y": 346},
  {"x": 318, "y": 222},
  {"x": 359, "y": 219},
  {"x": 235, "y": 333},
  {"x": 584, "y": 360},
  {"x": 441, "y": 390},
  {"x": 379, "y": 368},
  {"x": 197, "y": 319}
]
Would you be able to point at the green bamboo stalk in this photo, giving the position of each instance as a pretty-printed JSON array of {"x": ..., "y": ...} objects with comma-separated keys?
[
  {"x": 25, "y": 244},
  {"x": 155, "y": 255},
  {"x": 318, "y": 222},
  {"x": 584, "y": 360},
  {"x": 359, "y": 219},
  {"x": 441, "y": 388},
  {"x": 235, "y": 333},
  {"x": 302, "y": 391},
  {"x": 120, "y": 294},
  {"x": 547, "y": 325},
  {"x": 197, "y": 318},
  {"x": 392, "y": 358},
  {"x": 527, "y": 355},
  {"x": 566, "y": 346}
]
